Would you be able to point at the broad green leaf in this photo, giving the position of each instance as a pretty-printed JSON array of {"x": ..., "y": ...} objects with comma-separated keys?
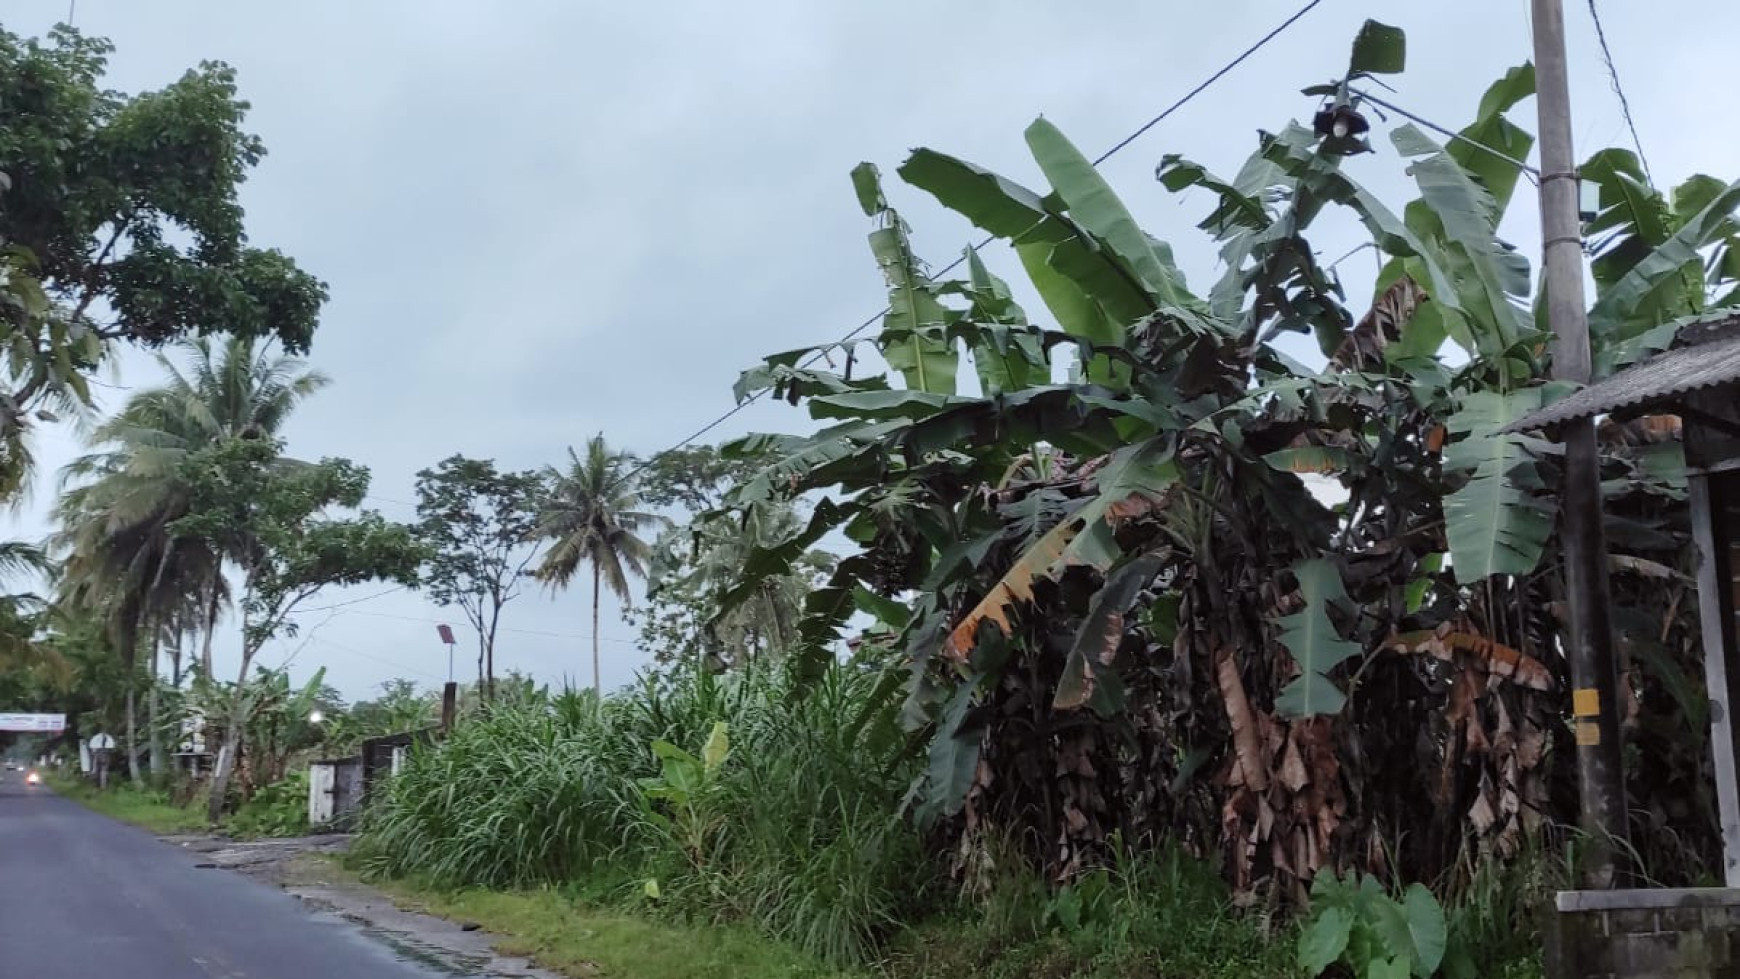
[
  {"x": 651, "y": 888},
  {"x": 717, "y": 748},
  {"x": 913, "y": 340},
  {"x": 1314, "y": 642},
  {"x": 868, "y": 184},
  {"x": 994, "y": 203},
  {"x": 1094, "y": 206},
  {"x": 954, "y": 759},
  {"x": 1091, "y": 294},
  {"x": 1692, "y": 196},
  {"x": 1394, "y": 967},
  {"x": 1077, "y": 313},
  {"x": 1653, "y": 290},
  {"x": 1466, "y": 214},
  {"x": 809, "y": 463},
  {"x": 1379, "y": 49},
  {"x": 1633, "y": 218},
  {"x": 1088, "y": 679},
  {"x": 1491, "y": 129},
  {"x": 1412, "y": 932},
  {"x": 883, "y": 405},
  {"x": 1494, "y": 528},
  {"x": 1324, "y": 939},
  {"x": 1426, "y": 928},
  {"x": 1002, "y": 365},
  {"x": 885, "y": 609}
]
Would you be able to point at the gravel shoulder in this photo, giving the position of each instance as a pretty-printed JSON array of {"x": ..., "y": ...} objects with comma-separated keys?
[{"x": 305, "y": 868}]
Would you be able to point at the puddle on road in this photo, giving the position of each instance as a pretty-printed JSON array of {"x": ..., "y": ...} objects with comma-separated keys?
[
  {"x": 436, "y": 960},
  {"x": 406, "y": 948}
]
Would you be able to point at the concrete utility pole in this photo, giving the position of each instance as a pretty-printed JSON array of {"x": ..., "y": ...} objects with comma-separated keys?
[{"x": 1594, "y": 676}]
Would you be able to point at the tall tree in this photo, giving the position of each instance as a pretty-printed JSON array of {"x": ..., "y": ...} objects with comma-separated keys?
[
  {"x": 121, "y": 223},
  {"x": 694, "y": 563},
  {"x": 270, "y": 521},
  {"x": 590, "y": 513},
  {"x": 476, "y": 521},
  {"x": 120, "y": 554}
]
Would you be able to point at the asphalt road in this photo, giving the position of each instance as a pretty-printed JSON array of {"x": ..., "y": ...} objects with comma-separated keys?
[{"x": 83, "y": 897}]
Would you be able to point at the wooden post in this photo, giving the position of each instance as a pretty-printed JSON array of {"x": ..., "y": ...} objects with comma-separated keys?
[
  {"x": 1720, "y": 679},
  {"x": 1589, "y": 643},
  {"x": 449, "y": 705}
]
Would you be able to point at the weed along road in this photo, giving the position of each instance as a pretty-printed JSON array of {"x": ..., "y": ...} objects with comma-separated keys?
[{"x": 84, "y": 896}]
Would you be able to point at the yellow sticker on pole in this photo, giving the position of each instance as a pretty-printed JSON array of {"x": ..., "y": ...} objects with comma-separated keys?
[
  {"x": 1585, "y": 702},
  {"x": 1588, "y": 734}
]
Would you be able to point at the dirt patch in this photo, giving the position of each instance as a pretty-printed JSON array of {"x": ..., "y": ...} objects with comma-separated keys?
[{"x": 304, "y": 867}]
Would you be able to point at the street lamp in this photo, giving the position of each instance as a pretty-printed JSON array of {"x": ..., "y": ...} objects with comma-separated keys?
[{"x": 446, "y": 633}]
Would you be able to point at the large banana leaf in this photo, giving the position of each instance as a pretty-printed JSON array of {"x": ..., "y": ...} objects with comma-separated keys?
[
  {"x": 1378, "y": 49},
  {"x": 1656, "y": 290},
  {"x": 1091, "y": 293},
  {"x": 1490, "y": 128},
  {"x": 1096, "y": 208},
  {"x": 953, "y": 761},
  {"x": 1315, "y": 643},
  {"x": 1494, "y": 526},
  {"x": 914, "y": 340},
  {"x": 1010, "y": 359},
  {"x": 1459, "y": 217}
]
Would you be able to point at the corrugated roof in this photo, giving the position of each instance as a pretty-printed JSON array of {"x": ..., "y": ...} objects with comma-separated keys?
[{"x": 1706, "y": 363}]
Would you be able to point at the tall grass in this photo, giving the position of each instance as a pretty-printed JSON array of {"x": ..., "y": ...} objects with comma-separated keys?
[{"x": 802, "y": 830}]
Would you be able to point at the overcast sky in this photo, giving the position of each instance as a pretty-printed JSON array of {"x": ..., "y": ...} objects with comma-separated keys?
[{"x": 542, "y": 220}]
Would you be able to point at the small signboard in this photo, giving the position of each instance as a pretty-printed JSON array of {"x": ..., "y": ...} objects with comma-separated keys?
[
  {"x": 102, "y": 742},
  {"x": 33, "y": 723}
]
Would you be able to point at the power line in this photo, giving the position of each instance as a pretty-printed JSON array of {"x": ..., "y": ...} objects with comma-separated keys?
[
  {"x": 1103, "y": 157},
  {"x": 355, "y": 601},
  {"x": 435, "y": 621},
  {"x": 1618, "y": 89},
  {"x": 1448, "y": 133},
  {"x": 379, "y": 659}
]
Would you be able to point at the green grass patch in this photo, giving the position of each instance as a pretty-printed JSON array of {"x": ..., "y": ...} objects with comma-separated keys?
[
  {"x": 562, "y": 935},
  {"x": 147, "y": 809}
]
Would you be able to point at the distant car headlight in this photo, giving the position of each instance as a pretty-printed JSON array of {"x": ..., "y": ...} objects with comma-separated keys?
[{"x": 33, "y": 779}]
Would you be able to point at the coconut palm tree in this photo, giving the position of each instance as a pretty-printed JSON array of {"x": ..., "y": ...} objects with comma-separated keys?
[
  {"x": 19, "y": 650},
  {"x": 120, "y": 500},
  {"x": 590, "y": 512}
]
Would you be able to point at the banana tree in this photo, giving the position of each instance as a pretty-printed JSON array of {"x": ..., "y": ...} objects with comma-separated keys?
[{"x": 1125, "y": 610}]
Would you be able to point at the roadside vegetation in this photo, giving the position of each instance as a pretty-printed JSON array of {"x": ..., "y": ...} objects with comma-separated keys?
[
  {"x": 148, "y": 809},
  {"x": 1176, "y": 632}
]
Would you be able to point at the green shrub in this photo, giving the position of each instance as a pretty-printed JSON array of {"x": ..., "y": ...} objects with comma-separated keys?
[
  {"x": 1354, "y": 922},
  {"x": 801, "y": 826},
  {"x": 276, "y": 810},
  {"x": 1160, "y": 914}
]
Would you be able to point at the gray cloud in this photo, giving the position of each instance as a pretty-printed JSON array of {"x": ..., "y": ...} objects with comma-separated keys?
[{"x": 541, "y": 220}]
